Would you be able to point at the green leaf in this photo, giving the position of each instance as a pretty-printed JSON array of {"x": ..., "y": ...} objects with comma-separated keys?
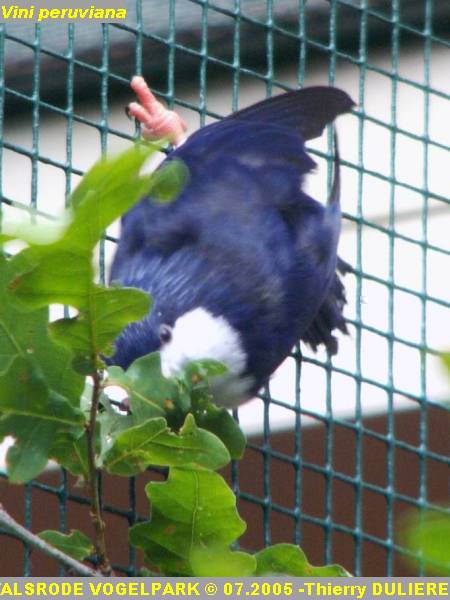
[
  {"x": 192, "y": 510},
  {"x": 207, "y": 415},
  {"x": 194, "y": 379},
  {"x": 112, "y": 424},
  {"x": 129, "y": 452},
  {"x": 112, "y": 177},
  {"x": 53, "y": 274},
  {"x": 428, "y": 536},
  {"x": 62, "y": 272},
  {"x": 202, "y": 369},
  {"x": 222, "y": 563},
  {"x": 24, "y": 392},
  {"x": 287, "y": 559},
  {"x": 33, "y": 415},
  {"x": 152, "y": 443},
  {"x": 169, "y": 181},
  {"x": 25, "y": 334},
  {"x": 39, "y": 390},
  {"x": 76, "y": 544},
  {"x": 219, "y": 422},
  {"x": 92, "y": 332},
  {"x": 71, "y": 453},
  {"x": 110, "y": 188},
  {"x": 28, "y": 232},
  {"x": 150, "y": 394},
  {"x": 28, "y": 457}
]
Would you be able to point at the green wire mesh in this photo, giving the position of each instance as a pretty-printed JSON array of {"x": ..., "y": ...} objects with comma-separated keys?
[{"x": 48, "y": 69}]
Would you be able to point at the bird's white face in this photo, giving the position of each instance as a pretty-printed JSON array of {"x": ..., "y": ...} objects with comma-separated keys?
[{"x": 199, "y": 335}]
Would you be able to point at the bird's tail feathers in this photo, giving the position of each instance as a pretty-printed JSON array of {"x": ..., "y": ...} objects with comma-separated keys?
[
  {"x": 330, "y": 317},
  {"x": 306, "y": 111}
]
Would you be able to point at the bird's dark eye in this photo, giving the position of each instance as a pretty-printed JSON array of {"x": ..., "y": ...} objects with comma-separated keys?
[{"x": 165, "y": 333}]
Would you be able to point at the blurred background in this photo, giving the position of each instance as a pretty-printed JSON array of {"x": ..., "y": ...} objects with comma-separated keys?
[{"x": 338, "y": 449}]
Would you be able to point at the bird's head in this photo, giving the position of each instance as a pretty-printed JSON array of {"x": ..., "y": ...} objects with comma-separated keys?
[
  {"x": 197, "y": 335},
  {"x": 194, "y": 335}
]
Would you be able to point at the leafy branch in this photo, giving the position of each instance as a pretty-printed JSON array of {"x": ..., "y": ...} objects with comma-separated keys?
[
  {"x": 54, "y": 396},
  {"x": 96, "y": 511},
  {"x": 18, "y": 531},
  {"x": 61, "y": 271}
]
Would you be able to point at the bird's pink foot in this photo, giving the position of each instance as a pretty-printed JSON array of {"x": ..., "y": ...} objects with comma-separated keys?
[{"x": 157, "y": 121}]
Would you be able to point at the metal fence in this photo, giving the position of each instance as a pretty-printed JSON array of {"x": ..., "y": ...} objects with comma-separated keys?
[{"x": 52, "y": 69}]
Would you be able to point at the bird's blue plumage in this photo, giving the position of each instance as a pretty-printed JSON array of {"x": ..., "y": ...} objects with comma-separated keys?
[{"x": 242, "y": 240}]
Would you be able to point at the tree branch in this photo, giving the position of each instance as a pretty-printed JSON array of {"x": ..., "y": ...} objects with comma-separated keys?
[
  {"x": 96, "y": 511},
  {"x": 13, "y": 527}
]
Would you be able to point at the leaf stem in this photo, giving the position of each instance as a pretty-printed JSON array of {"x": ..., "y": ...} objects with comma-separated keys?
[
  {"x": 18, "y": 531},
  {"x": 96, "y": 510}
]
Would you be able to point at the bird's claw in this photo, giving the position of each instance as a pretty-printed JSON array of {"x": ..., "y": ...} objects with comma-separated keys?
[
  {"x": 156, "y": 120},
  {"x": 127, "y": 112}
]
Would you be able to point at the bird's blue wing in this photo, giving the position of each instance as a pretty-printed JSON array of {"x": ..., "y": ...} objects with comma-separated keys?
[
  {"x": 305, "y": 112},
  {"x": 228, "y": 166},
  {"x": 267, "y": 137}
]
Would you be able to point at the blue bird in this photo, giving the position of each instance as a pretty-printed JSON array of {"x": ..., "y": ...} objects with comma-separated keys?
[{"x": 243, "y": 263}]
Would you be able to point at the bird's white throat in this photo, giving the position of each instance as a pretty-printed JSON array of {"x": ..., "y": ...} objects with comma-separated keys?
[{"x": 199, "y": 335}]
